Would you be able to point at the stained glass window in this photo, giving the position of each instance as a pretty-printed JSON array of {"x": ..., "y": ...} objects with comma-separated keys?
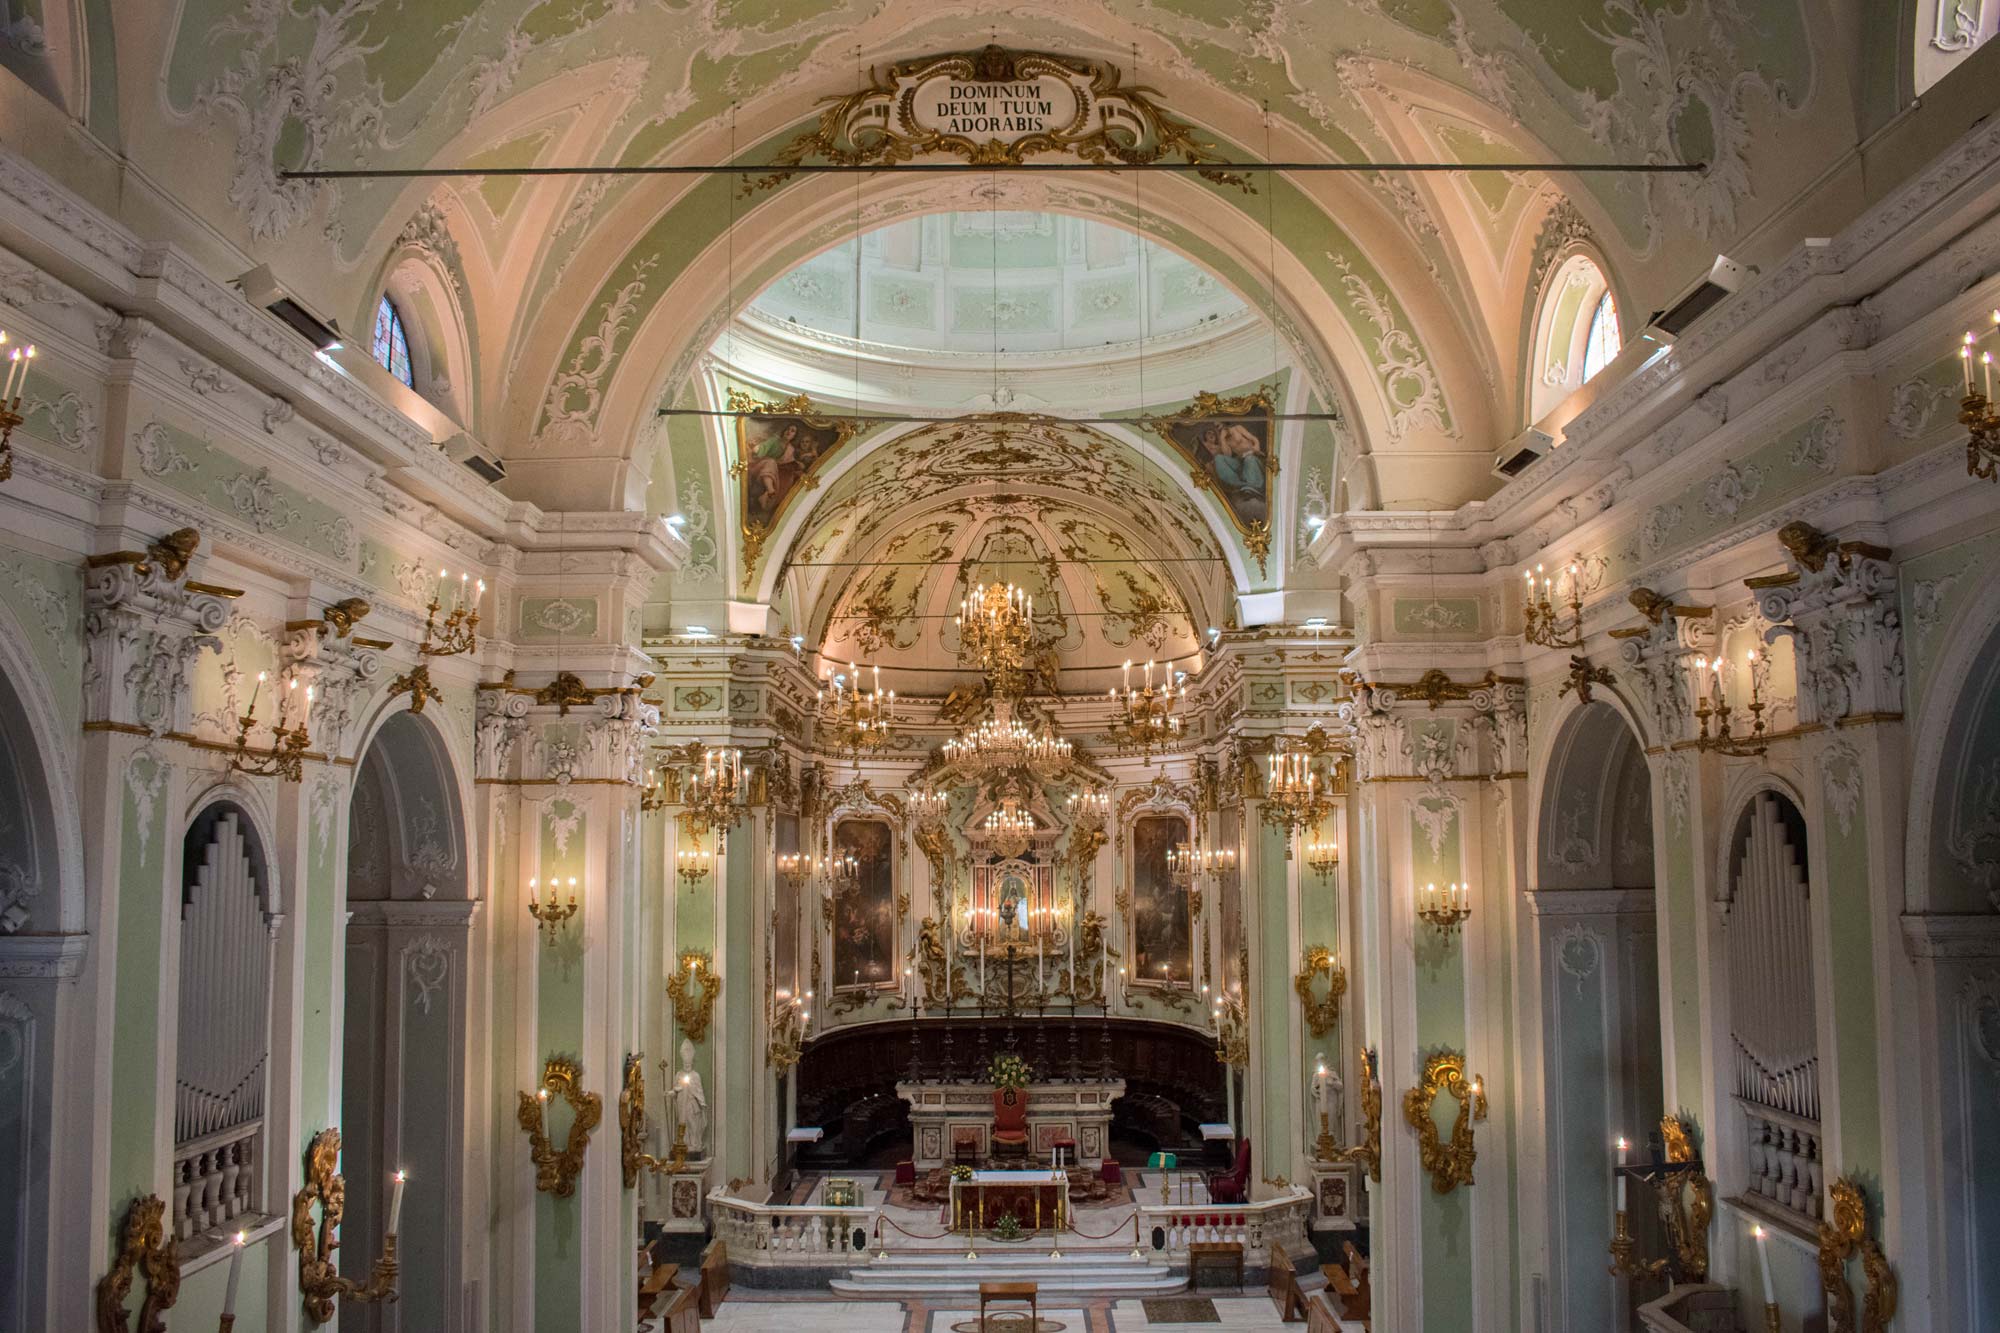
[
  {"x": 391, "y": 345},
  {"x": 1605, "y": 343}
]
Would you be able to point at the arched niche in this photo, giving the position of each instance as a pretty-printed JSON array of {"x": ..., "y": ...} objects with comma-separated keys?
[
  {"x": 1598, "y": 978},
  {"x": 1595, "y": 826},
  {"x": 406, "y": 829},
  {"x": 406, "y": 1002}
]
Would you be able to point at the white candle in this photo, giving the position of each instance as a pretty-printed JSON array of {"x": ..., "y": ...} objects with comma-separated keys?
[
  {"x": 1764, "y": 1262},
  {"x": 254, "y": 689},
  {"x": 235, "y": 1274},
  {"x": 1965, "y": 363},
  {"x": 397, "y": 1182},
  {"x": 1622, "y": 1145}
]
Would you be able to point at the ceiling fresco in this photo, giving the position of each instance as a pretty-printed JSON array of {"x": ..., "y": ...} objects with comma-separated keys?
[{"x": 1119, "y": 560}]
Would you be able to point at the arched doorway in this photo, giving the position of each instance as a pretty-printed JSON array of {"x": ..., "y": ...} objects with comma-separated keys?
[
  {"x": 38, "y": 844},
  {"x": 403, "y": 1054},
  {"x": 1599, "y": 982},
  {"x": 1953, "y": 932}
]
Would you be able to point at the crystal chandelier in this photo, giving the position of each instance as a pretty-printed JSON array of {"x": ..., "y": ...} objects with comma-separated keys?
[
  {"x": 1294, "y": 798},
  {"x": 1004, "y": 741},
  {"x": 715, "y": 790},
  {"x": 857, "y": 720},
  {"x": 1006, "y": 829},
  {"x": 1144, "y": 718},
  {"x": 929, "y": 804},
  {"x": 995, "y": 625},
  {"x": 1089, "y": 807}
]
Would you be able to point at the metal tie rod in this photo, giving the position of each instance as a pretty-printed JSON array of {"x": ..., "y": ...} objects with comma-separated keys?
[{"x": 987, "y": 169}]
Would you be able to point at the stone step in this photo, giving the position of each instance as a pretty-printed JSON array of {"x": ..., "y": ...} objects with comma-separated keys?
[{"x": 951, "y": 1274}]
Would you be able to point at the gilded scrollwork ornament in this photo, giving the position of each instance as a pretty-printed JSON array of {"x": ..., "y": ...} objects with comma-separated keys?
[
  {"x": 556, "y": 1171},
  {"x": 1368, "y": 1152},
  {"x": 632, "y": 1155},
  {"x": 144, "y": 1248},
  {"x": 1321, "y": 1014},
  {"x": 1845, "y": 1236},
  {"x": 693, "y": 988},
  {"x": 320, "y": 1284},
  {"x": 1450, "y": 1164}
]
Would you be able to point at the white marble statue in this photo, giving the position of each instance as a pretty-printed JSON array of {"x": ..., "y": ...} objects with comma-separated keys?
[
  {"x": 691, "y": 1102},
  {"x": 1328, "y": 1095}
]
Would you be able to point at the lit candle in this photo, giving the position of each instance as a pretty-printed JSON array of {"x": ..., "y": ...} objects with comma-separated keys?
[
  {"x": 235, "y": 1274},
  {"x": 397, "y": 1182},
  {"x": 1764, "y": 1262},
  {"x": 533, "y": 901},
  {"x": 1622, "y": 1145},
  {"x": 1965, "y": 363}
]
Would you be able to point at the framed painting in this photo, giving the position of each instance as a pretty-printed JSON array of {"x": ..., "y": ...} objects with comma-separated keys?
[
  {"x": 778, "y": 446},
  {"x": 1162, "y": 925},
  {"x": 1015, "y": 891},
  {"x": 864, "y": 908},
  {"x": 1232, "y": 445}
]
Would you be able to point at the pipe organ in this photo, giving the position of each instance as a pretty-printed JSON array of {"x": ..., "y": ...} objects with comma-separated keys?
[
  {"x": 1774, "y": 1040},
  {"x": 223, "y": 1046}
]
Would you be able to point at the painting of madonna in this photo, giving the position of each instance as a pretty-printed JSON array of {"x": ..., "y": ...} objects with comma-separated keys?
[{"x": 1233, "y": 454}]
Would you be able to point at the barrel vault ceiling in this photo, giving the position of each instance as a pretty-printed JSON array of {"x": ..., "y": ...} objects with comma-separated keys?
[{"x": 577, "y": 306}]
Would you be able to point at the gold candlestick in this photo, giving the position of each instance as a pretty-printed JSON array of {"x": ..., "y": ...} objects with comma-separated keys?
[{"x": 1771, "y": 1321}]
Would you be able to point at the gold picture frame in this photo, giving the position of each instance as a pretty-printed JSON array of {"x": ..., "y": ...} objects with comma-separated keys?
[
  {"x": 556, "y": 1172},
  {"x": 1211, "y": 433},
  {"x": 1450, "y": 1164},
  {"x": 1322, "y": 1016}
]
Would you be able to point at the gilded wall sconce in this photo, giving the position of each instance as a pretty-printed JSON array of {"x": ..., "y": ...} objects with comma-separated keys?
[
  {"x": 1321, "y": 1015},
  {"x": 556, "y": 1172},
  {"x": 320, "y": 1282},
  {"x": 632, "y": 1154},
  {"x": 1450, "y": 1164},
  {"x": 693, "y": 988},
  {"x": 286, "y": 757},
  {"x": 1844, "y": 1237},
  {"x": 20, "y": 360},
  {"x": 1368, "y": 1152},
  {"x": 144, "y": 1247}
]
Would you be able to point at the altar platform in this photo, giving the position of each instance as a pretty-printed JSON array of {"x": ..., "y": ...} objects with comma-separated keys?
[{"x": 945, "y": 1115}]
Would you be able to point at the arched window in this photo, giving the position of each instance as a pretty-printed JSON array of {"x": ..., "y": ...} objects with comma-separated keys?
[
  {"x": 391, "y": 344},
  {"x": 1603, "y": 342},
  {"x": 1576, "y": 333}
]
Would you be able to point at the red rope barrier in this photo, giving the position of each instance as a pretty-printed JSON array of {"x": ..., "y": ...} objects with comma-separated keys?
[
  {"x": 1087, "y": 1236},
  {"x": 913, "y": 1235}
]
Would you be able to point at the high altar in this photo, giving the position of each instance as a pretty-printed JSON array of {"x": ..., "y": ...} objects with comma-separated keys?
[{"x": 943, "y": 1115}]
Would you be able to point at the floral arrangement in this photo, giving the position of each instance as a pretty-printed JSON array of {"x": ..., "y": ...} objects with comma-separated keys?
[
  {"x": 1008, "y": 1071},
  {"x": 961, "y": 1172},
  {"x": 1007, "y": 1228}
]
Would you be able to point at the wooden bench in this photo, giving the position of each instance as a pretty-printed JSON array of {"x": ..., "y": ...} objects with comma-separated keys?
[
  {"x": 1016, "y": 1292},
  {"x": 1284, "y": 1284},
  {"x": 1227, "y": 1251},
  {"x": 683, "y": 1312},
  {"x": 714, "y": 1284},
  {"x": 658, "y": 1279},
  {"x": 1320, "y": 1317},
  {"x": 1348, "y": 1285}
]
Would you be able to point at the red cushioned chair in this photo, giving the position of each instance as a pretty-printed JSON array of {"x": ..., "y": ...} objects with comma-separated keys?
[
  {"x": 1233, "y": 1185},
  {"x": 1010, "y": 1122}
]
